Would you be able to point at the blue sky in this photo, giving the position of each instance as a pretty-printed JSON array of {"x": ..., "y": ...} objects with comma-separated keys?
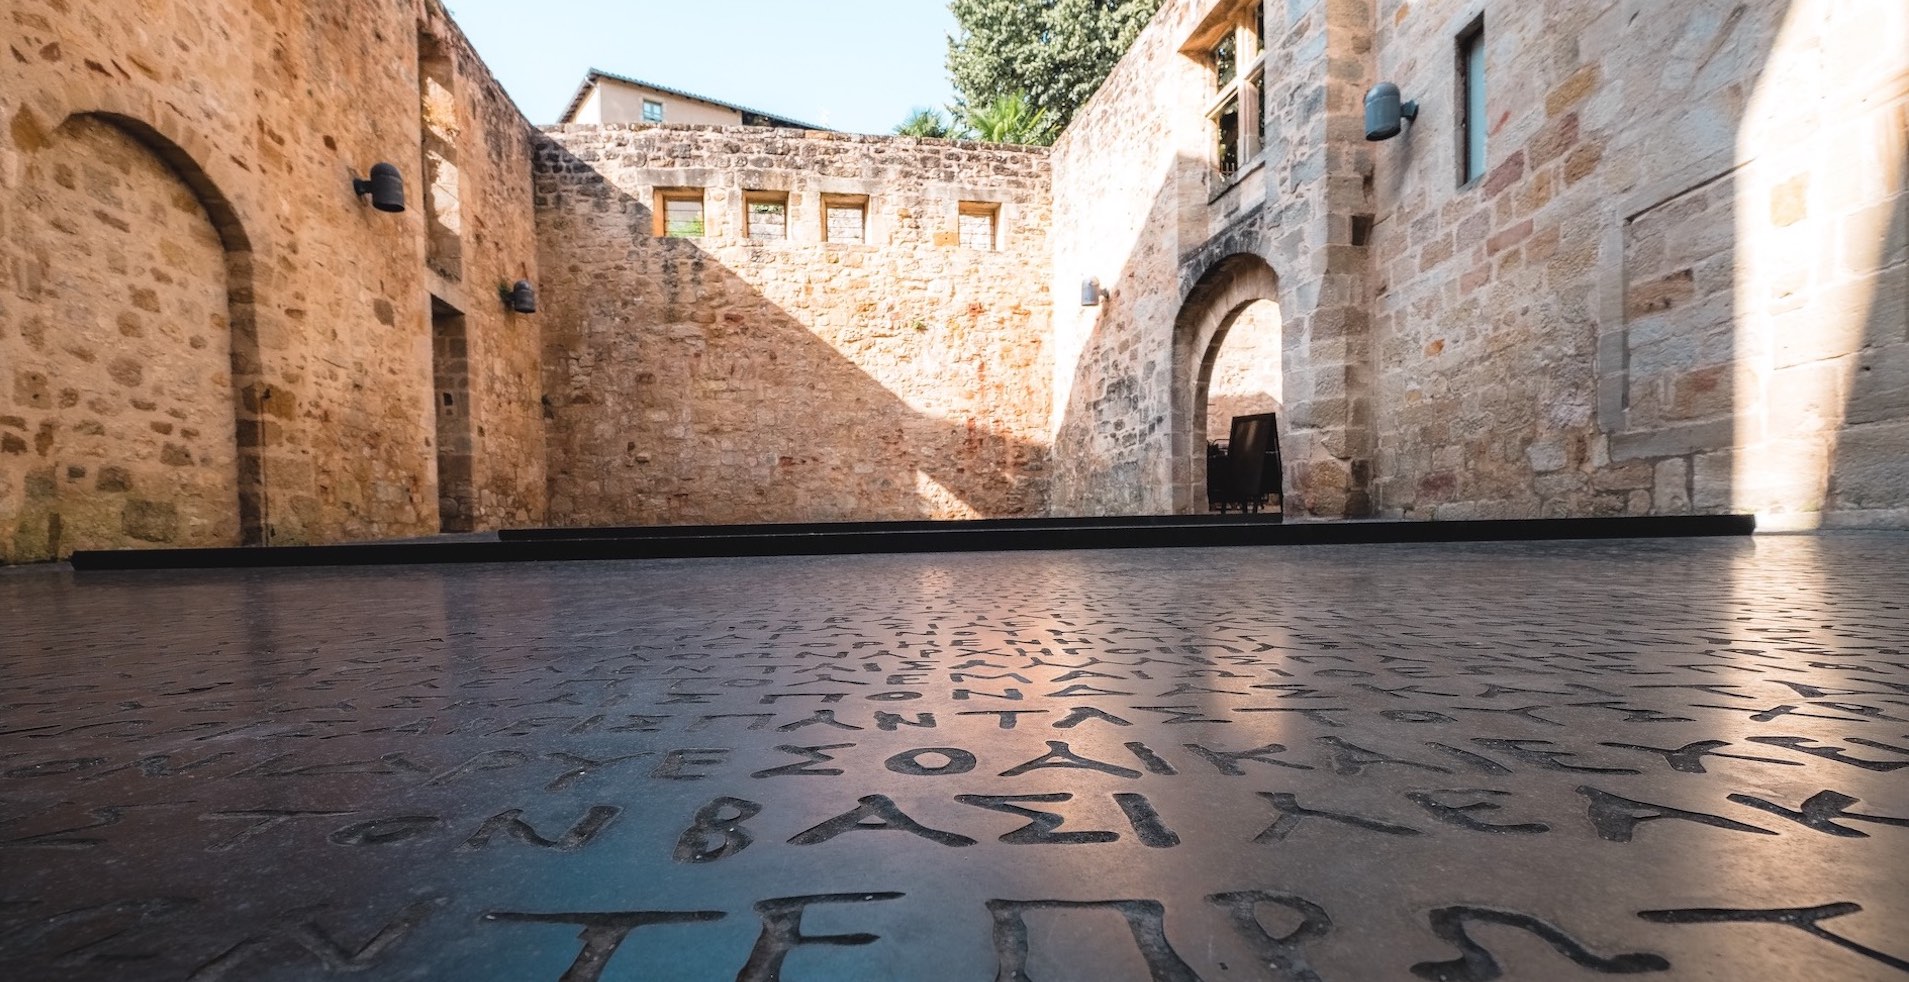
[{"x": 857, "y": 65}]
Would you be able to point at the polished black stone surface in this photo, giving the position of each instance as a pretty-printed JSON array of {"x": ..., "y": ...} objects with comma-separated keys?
[
  {"x": 1684, "y": 759},
  {"x": 864, "y": 538}
]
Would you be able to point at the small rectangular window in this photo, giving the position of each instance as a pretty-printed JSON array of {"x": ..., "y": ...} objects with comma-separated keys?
[
  {"x": 1471, "y": 101},
  {"x": 652, "y": 111},
  {"x": 844, "y": 218},
  {"x": 980, "y": 224},
  {"x": 1227, "y": 154},
  {"x": 679, "y": 213},
  {"x": 766, "y": 214}
]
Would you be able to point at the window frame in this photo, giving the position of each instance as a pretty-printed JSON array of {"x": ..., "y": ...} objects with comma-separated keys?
[
  {"x": 660, "y": 226},
  {"x": 855, "y": 202},
  {"x": 1469, "y": 51},
  {"x": 991, "y": 210},
  {"x": 647, "y": 103},
  {"x": 750, "y": 198},
  {"x": 1248, "y": 85}
]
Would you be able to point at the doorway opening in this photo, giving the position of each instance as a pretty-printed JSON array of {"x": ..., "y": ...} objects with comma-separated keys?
[{"x": 451, "y": 404}]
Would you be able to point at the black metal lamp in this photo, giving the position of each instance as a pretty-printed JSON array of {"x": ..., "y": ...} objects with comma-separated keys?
[
  {"x": 1092, "y": 293},
  {"x": 1385, "y": 113},
  {"x": 520, "y": 297},
  {"x": 386, "y": 187}
]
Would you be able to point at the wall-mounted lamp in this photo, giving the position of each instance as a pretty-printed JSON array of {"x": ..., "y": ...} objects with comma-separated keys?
[
  {"x": 386, "y": 187},
  {"x": 519, "y": 297},
  {"x": 1385, "y": 113},
  {"x": 1092, "y": 293}
]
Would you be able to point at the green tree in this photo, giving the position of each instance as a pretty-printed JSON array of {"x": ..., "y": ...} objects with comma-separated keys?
[
  {"x": 1053, "y": 53},
  {"x": 926, "y": 122},
  {"x": 1009, "y": 119}
]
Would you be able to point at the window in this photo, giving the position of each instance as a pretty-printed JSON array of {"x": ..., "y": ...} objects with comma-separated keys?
[
  {"x": 652, "y": 111},
  {"x": 1228, "y": 152},
  {"x": 1238, "y": 85},
  {"x": 766, "y": 214},
  {"x": 844, "y": 218},
  {"x": 679, "y": 213},
  {"x": 980, "y": 225},
  {"x": 1471, "y": 102}
]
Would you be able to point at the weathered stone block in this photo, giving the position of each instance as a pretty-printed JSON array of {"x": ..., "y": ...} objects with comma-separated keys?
[
  {"x": 1871, "y": 466},
  {"x": 1547, "y": 455},
  {"x": 1670, "y": 487}
]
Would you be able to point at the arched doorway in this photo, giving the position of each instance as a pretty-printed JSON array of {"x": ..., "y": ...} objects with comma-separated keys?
[
  {"x": 1226, "y": 362},
  {"x": 128, "y": 345}
]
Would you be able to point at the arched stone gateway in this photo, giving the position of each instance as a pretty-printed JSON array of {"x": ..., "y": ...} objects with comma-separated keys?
[
  {"x": 1226, "y": 362},
  {"x": 134, "y": 337}
]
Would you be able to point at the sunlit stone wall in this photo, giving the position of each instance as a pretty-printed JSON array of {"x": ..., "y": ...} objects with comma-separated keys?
[{"x": 889, "y": 361}]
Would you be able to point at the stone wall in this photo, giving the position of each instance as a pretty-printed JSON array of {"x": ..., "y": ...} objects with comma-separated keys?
[
  {"x": 1141, "y": 203},
  {"x": 725, "y": 378},
  {"x": 1680, "y": 285},
  {"x": 205, "y": 337}
]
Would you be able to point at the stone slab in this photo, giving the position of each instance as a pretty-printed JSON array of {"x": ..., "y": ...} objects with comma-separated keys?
[{"x": 1676, "y": 758}]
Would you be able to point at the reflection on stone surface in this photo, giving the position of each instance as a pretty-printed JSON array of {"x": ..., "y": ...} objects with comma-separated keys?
[{"x": 1552, "y": 760}]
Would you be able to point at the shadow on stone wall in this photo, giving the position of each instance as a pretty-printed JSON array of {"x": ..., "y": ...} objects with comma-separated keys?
[
  {"x": 676, "y": 392},
  {"x": 1133, "y": 432}
]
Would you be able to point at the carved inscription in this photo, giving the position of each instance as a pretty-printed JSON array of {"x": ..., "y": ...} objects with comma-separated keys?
[{"x": 1491, "y": 762}]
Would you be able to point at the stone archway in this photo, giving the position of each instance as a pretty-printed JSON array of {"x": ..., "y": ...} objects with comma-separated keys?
[
  {"x": 1236, "y": 301},
  {"x": 135, "y": 340}
]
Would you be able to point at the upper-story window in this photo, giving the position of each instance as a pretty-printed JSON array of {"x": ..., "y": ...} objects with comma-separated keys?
[
  {"x": 1235, "y": 54},
  {"x": 679, "y": 213},
  {"x": 845, "y": 218},
  {"x": 1471, "y": 103},
  {"x": 766, "y": 214},
  {"x": 979, "y": 224},
  {"x": 652, "y": 111}
]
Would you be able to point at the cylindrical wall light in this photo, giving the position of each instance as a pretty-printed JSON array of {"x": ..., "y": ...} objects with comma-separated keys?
[
  {"x": 1385, "y": 113},
  {"x": 386, "y": 187},
  {"x": 521, "y": 298}
]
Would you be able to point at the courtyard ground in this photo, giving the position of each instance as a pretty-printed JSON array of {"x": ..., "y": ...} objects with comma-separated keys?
[{"x": 1681, "y": 758}]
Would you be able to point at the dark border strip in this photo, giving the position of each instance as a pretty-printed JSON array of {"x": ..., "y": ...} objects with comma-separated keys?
[
  {"x": 1147, "y": 532},
  {"x": 915, "y": 525}
]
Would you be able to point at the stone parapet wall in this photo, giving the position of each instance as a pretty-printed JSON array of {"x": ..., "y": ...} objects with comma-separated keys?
[
  {"x": 724, "y": 378},
  {"x": 205, "y": 337}
]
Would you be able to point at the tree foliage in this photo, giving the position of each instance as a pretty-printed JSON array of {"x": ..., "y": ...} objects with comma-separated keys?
[
  {"x": 926, "y": 122},
  {"x": 1009, "y": 119},
  {"x": 1052, "y": 53}
]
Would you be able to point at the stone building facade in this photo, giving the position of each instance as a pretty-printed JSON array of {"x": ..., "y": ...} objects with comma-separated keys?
[
  {"x": 855, "y": 329},
  {"x": 1679, "y": 283},
  {"x": 1659, "y": 265},
  {"x": 606, "y": 97}
]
